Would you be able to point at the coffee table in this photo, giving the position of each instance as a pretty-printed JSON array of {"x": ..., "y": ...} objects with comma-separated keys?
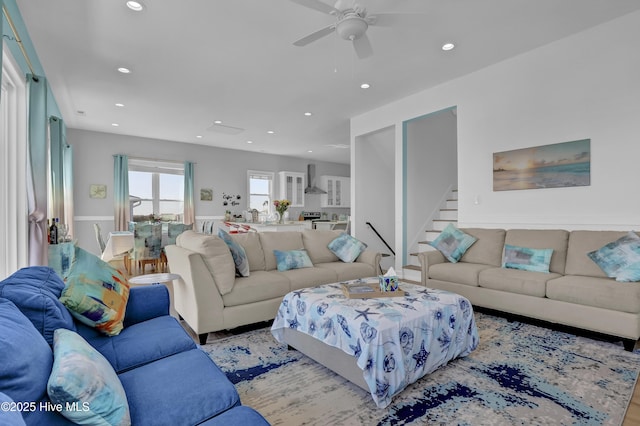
[{"x": 380, "y": 344}]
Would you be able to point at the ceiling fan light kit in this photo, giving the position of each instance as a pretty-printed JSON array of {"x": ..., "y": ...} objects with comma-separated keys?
[{"x": 351, "y": 26}]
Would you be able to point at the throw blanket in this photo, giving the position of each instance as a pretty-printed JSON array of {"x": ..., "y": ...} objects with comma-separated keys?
[{"x": 396, "y": 340}]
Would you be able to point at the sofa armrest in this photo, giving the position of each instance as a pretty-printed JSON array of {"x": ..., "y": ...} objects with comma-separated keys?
[
  {"x": 428, "y": 258},
  {"x": 195, "y": 295},
  {"x": 146, "y": 303},
  {"x": 372, "y": 258}
]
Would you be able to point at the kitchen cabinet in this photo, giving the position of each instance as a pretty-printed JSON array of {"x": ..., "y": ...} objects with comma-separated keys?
[
  {"x": 292, "y": 187},
  {"x": 338, "y": 191}
]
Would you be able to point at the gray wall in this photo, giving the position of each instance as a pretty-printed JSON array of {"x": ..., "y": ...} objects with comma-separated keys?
[
  {"x": 431, "y": 171},
  {"x": 224, "y": 170}
]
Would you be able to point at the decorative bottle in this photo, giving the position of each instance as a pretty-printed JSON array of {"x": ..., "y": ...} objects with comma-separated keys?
[{"x": 53, "y": 232}]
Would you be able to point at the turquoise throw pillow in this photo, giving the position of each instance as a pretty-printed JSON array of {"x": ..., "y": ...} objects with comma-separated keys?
[
  {"x": 96, "y": 293},
  {"x": 237, "y": 252},
  {"x": 527, "y": 259},
  {"x": 619, "y": 257},
  {"x": 85, "y": 384},
  {"x": 292, "y": 259},
  {"x": 453, "y": 243},
  {"x": 346, "y": 247}
]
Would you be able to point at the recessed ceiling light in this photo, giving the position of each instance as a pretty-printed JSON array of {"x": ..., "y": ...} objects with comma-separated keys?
[
  {"x": 217, "y": 122},
  {"x": 308, "y": 114},
  {"x": 115, "y": 124},
  {"x": 448, "y": 46},
  {"x": 135, "y": 6},
  {"x": 124, "y": 70},
  {"x": 365, "y": 85},
  {"x": 271, "y": 132},
  {"x": 309, "y": 151},
  {"x": 249, "y": 141},
  {"x": 119, "y": 105},
  {"x": 199, "y": 136}
]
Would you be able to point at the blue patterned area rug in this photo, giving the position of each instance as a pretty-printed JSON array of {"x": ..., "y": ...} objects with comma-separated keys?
[{"x": 520, "y": 374}]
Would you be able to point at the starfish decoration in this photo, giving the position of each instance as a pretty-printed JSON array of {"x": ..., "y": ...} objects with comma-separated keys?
[
  {"x": 421, "y": 356},
  {"x": 365, "y": 314},
  {"x": 298, "y": 293}
]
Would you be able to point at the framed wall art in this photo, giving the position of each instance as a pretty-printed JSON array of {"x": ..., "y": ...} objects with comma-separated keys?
[
  {"x": 558, "y": 165},
  {"x": 206, "y": 194}
]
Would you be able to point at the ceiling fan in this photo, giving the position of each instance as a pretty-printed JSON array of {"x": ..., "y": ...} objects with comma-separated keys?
[{"x": 352, "y": 21}]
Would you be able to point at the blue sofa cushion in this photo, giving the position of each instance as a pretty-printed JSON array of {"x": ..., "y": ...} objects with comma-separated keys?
[
  {"x": 25, "y": 357},
  {"x": 140, "y": 343},
  {"x": 35, "y": 291},
  {"x": 83, "y": 383},
  {"x": 171, "y": 390},
  {"x": 9, "y": 417}
]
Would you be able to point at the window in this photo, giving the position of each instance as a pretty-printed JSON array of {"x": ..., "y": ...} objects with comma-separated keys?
[
  {"x": 13, "y": 167},
  {"x": 260, "y": 190},
  {"x": 158, "y": 188}
]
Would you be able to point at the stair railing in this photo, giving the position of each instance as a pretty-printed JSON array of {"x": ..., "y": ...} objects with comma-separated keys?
[{"x": 380, "y": 236}]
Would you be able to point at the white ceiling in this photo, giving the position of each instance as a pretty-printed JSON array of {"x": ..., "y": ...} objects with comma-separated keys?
[{"x": 196, "y": 61}]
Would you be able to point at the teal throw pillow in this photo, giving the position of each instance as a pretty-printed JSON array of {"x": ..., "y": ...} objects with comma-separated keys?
[
  {"x": 527, "y": 259},
  {"x": 292, "y": 259},
  {"x": 618, "y": 256},
  {"x": 237, "y": 252},
  {"x": 85, "y": 384},
  {"x": 96, "y": 293},
  {"x": 453, "y": 243},
  {"x": 346, "y": 247},
  {"x": 629, "y": 274}
]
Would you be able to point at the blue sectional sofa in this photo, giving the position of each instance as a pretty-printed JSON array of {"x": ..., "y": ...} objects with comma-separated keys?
[{"x": 167, "y": 378}]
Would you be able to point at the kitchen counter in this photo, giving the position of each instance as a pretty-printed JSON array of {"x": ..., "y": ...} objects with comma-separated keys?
[
  {"x": 327, "y": 226},
  {"x": 273, "y": 227}
]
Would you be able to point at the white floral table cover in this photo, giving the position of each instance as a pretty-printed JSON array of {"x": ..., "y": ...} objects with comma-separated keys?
[{"x": 396, "y": 340}]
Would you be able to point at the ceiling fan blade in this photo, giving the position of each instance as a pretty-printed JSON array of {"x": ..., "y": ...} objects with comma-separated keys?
[
  {"x": 363, "y": 47},
  {"x": 315, "y": 36},
  {"x": 318, "y": 5},
  {"x": 395, "y": 19}
]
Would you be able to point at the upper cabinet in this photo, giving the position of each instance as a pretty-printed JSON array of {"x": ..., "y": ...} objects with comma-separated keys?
[
  {"x": 292, "y": 187},
  {"x": 338, "y": 191}
]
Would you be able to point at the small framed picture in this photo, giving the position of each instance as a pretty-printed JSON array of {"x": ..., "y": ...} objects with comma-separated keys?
[
  {"x": 97, "y": 191},
  {"x": 206, "y": 194}
]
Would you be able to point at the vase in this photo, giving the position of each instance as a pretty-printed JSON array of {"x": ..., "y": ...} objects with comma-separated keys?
[{"x": 281, "y": 219}]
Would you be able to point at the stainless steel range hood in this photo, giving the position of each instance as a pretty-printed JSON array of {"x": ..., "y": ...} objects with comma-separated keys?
[{"x": 311, "y": 181}]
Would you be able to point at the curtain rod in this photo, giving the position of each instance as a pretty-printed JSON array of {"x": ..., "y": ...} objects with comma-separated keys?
[{"x": 17, "y": 38}]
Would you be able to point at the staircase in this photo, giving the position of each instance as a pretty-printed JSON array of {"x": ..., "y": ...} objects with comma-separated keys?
[{"x": 448, "y": 214}]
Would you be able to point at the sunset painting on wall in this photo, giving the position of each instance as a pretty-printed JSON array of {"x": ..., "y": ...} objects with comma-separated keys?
[{"x": 547, "y": 166}]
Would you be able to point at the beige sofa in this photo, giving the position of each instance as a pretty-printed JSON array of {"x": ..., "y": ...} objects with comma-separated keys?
[
  {"x": 209, "y": 296},
  {"x": 575, "y": 292}
]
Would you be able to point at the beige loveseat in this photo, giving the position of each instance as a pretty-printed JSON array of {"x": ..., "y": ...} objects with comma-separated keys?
[
  {"x": 209, "y": 296},
  {"x": 575, "y": 292}
]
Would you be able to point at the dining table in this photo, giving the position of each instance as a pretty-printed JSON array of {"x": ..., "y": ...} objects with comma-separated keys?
[{"x": 118, "y": 245}]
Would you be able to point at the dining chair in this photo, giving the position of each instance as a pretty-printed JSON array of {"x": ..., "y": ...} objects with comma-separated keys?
[
  {"x": 147, "y": 244},
  {"x": 99, "y": 239},
  {"x": 173, "y": 230}
]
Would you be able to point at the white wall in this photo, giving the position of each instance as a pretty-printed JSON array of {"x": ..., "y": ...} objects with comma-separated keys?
[
  {"x": 224, "y": 170},
  {"x": 584, "y": 86},
  {"x": 431, "y": 171},
  {"x": 374, "y": 185}
]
